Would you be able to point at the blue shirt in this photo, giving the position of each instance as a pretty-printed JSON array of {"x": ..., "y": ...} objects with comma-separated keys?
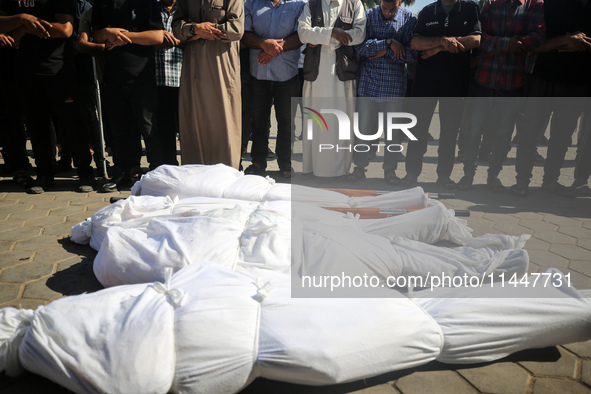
[
  {"x": 386, "y": 75},
  {"x": 278, "y": 22}
]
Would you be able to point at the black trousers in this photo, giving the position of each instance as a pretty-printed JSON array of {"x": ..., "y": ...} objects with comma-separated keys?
[
  {"x": 52, "y": 97},
  {"x": 450, "y": 119},
  {"x": 129, "y": 110},
  {"x": 168, "y": 122},
  {"x": 564, "y": 104},
  {"x": 265, "y": 94}
]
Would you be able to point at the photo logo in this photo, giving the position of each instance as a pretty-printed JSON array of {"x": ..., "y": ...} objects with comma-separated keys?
[
  {"x": 315, "y": 117},
  {"x": 395, "y": 121}
]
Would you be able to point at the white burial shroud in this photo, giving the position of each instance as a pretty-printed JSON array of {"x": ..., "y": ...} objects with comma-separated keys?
[{"x": 226, "y": 316}]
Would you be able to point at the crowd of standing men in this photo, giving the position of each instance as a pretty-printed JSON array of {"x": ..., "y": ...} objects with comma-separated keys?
[{"x": 174, "y": 66}]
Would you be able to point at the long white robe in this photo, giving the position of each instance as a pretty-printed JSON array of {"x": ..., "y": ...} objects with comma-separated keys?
[{"x": 328, "y": 163}]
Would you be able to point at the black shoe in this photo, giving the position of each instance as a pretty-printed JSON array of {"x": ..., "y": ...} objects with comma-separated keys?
[
  {"x": 86, "y": 184},
  {"x": 119, "y": 182},
  {"x": 41, "y": 184}
]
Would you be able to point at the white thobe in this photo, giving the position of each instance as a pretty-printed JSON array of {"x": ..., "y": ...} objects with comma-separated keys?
[{"x": 328, "y": 162}]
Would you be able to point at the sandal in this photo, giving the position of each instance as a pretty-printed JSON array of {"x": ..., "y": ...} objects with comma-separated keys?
[
  {"x": 519, "y": 189},
  {"x": 391, "y": 178},
  {"x": 559, "y": 189},
  {"x": 409, "y": 180},
  {"x": 466, "y": 182},
  {"x": 446, "y": 183},
  {"x": 357, "y": 174},
  {"x": 23, "y": 179},
  {"x": 254, "y": 169},
  {"x": 285, "y": 173},
  {"x": 494, "y": 184}
]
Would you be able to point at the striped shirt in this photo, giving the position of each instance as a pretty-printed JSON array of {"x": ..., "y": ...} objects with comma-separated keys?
[
  {"x": 168, "y": 59},
  {"x": 385, "y": 76},
  {"x": 501, "y": 20}
]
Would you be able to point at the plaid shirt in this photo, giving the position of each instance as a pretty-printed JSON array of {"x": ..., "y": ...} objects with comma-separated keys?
[
  {"x": 386, "y": 75},
  {"x": 501, "y": 20},
  {"x": 168, "y": 59}
]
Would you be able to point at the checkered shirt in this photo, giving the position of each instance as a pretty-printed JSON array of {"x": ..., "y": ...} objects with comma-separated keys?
[
  {"x": 501, "y": 20},
  {"x": 169, "y": 59},
  {"x": 385, "y": 76}
]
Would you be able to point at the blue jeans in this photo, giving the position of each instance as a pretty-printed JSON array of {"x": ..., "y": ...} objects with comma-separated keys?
[{"x": 490, "y": 106}]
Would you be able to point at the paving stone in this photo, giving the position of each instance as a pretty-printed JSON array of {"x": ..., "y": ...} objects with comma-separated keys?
[
  {"x": 26, "y": 272},
  {"x": 444, "y": 382},
  {"x": 25, "y": 198},
  {"x": 586, "y": 372},
  {"x": 555, "y": 237},
  {"x": 562, "y": 221},
  {"x": 69, "y": 196},
  {"x": 23, "y": 304},
  {"x": 582, "y": 266},
  {"x": 36, "y": 243},
  {"x": 512, "y": 229},
  {"x": 581, "y": 349},
  {"x": 78, "y": 265},
  {"x": 6, "y": 225},
  {"x": 65, "y": 211},
  {"x": 571, "y": 252},
  {"x": 96, "y": 206},
  {"x": 78, "y": 217},
  {"x": 584, "y": 243},
  {"x": 50, "y": 204},
  {"x": 577, "y": 232},
  {"x": 500, "y": 218},
  {"x": 5, "y": 246},
  {"x": 44, "y": 221},
  {"x": 90, "y": 199},
  {"x": 497, "y": 378},
  {"x": 528, "y": 216},
  {"x": 60, "y": 229},
  {"x": 52, "y": 287},
  {"x": 8, "y": 199},
  {"x": 537, "y": 244},
  {"x": 547, "y": 259},
  {"x": 19, "y": 233},
  {"x": 12, "y": 208},
  {"x": 553, "y": 386},
  {"x": 8, "y": 292},
  {"x": 54, "y": 255},
  {"x": 387, "y": 388},
  {"x": 10, "y": 259},
  {"x": 479, "y": 222},
  {"x": 30, "y": 214},
  {"x": 564, "y": 367},
  {"x": 538, "y": 225}
]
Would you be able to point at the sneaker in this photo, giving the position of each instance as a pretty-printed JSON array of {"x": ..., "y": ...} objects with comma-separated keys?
[
  {"x": 119, "y": 182},
  {"x": 41, "y": 184},
  {"x": 86, "y": 184}
]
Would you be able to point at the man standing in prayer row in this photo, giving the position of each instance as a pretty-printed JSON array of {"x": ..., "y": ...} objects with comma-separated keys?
[
  {"x": 169, "y": 59},
  {"x": 210, "y": 114},
  {"x": 330, "y": 28},
  {"x": 510, "y": 28},
  {"x": 383, "y": 78},
  {"x": 446, "y": 32},
  {"x": 271, "y": 33}
]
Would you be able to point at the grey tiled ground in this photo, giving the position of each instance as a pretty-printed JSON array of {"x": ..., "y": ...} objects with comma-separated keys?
[{"x": 38, "y": 264}]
